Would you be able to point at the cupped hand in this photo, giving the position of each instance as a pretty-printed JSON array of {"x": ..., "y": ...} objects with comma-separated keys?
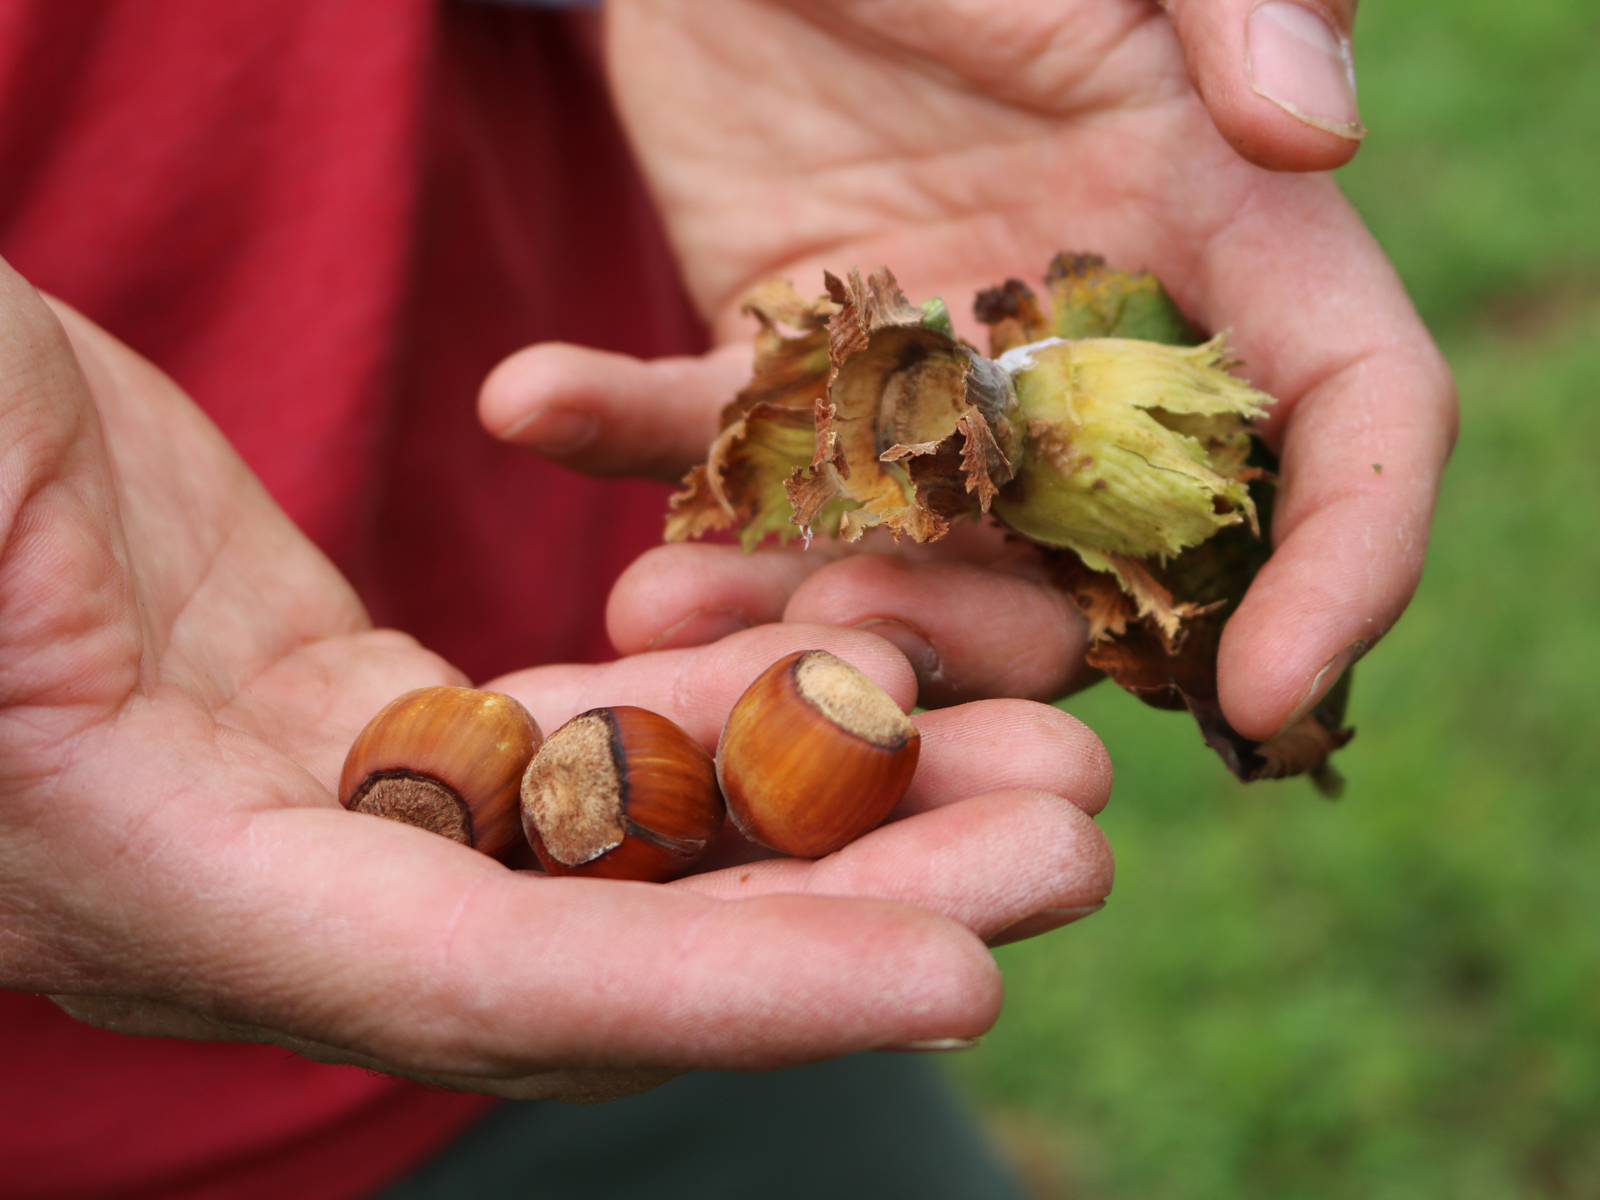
[
  {"x": 180, "y": 675},
  {"x": 964, "y": 143}
]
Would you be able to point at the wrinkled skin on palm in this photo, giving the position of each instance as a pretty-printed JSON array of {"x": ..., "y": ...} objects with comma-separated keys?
[{"x": 1102, "y": 427}]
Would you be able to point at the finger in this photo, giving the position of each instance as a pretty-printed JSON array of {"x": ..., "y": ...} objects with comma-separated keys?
[
  {"x": 505, "y": 975},
  {"x": 988, "y": 862},
  {"x": 969, "y": 633},
  {"x": 1025, "y": 852},
  {"x": 1361, "y": 464},
  {"x": 691, "y": 594},
  {"x": 70, "y": 624},
  {"x": 1277, "y": 77},
  {"x": 972, "y": 749},
  {"x": 697, "y": 687},
  {"x": 388, "y": 943},
  {"x": 1367, "y": 418},
  {"x": 610, "y": 414},
  {"x": 998, "y": 745}
]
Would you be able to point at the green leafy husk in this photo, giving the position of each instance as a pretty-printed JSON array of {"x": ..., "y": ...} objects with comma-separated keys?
[{"x": 1105, "y": 429}]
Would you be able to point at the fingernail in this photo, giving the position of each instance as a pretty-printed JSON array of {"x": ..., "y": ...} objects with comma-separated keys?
[
  {"x": 700, "y": 628},
  {"x": 932, "y": 1045},
  {"x": 1322, "y": 681},
  {"x": 555, "y": 431},
  {"x": 1304, "y": 66},
  {"x": 919, "y": 651},
  {"x": 1043, "y": 922}
]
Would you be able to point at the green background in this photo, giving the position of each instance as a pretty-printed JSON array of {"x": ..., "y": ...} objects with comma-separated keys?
[{"x": 1397, "y": 995}]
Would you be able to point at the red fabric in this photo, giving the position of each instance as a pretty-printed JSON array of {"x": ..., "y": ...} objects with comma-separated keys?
[
  {"x": 95, "y": 1115},
  {"x": 535, "y": 227},
  {"x": 327, "y": 219}
]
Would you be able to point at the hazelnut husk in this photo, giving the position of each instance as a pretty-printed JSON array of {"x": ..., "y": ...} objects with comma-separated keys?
[
  {"x": 448, "y": 760},
  {"x": 621, "y": 793},
  {"x": 814, "y": 755},
  {"x": 1102, "y": 427}
]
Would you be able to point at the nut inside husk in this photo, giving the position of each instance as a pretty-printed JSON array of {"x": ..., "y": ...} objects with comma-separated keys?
[{"x": 1105, "y": 429}]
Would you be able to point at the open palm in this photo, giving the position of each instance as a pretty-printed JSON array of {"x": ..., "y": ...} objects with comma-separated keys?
[{"x": 180, "y": 674}]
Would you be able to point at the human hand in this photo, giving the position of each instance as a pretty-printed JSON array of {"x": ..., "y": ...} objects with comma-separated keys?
[
  {"x": 181, "y": 673},
  {"x": 964, "y": 143}
]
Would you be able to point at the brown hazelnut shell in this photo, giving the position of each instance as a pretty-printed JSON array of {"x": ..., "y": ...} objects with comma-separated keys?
[
  {"x": 814, "y": 755},
  {"x": 445, "y": 759},
  {"x": 621, "y": 793}
]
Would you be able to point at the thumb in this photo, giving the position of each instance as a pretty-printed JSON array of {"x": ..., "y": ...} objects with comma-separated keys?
[
  {"x": 70, "y": 636},
  {"x": 609, "y": 414},
  {"x": 1278, "y": 77}
]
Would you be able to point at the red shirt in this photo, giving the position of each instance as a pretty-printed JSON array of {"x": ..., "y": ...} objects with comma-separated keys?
[{"x": 327, "y": 219}]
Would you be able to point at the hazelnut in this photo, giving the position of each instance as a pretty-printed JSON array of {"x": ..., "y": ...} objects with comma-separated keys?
[
  {"x": 621, "y": 793},
  {"x": 448, "y": 760},
  {"x": 814, "y": 754}
]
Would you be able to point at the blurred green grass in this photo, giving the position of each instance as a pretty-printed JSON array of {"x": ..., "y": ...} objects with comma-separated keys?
[{"x": 1397, "y": 995}]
